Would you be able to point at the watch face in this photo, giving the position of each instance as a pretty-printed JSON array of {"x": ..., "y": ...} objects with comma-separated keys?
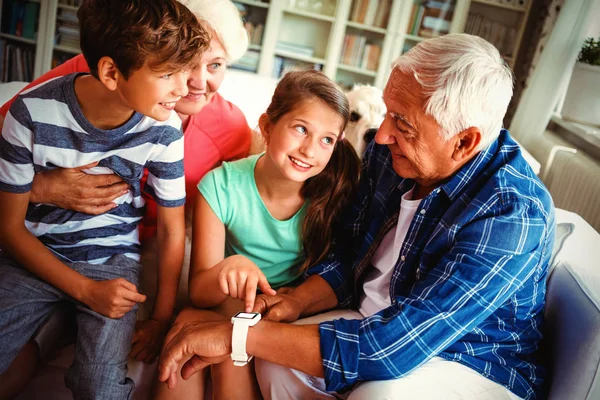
[{"x": 245, "y": 315}]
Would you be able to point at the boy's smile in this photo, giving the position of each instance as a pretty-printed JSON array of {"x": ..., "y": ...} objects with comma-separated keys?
[{"x": 153, "y": 93}]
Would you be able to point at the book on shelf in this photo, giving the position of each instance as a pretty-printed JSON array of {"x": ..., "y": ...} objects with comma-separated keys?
[
  {"x": 255, "y": 32},
  {"x": 16, "y": 62},
  {"x": 383, "y": 14},
  {"x": 283, "y": 65},
  {"x": 371, "y": 12},
  {"x": 295, "y": 48},
  {"x": 430, "y": 18},
  {"x": 501, "y": 36},
  {"x": 67, "y": 29},
  {"x": 248, "y": 61},
  {"x": 356, "y": 52},
  {"x": 21, "y": 18}
]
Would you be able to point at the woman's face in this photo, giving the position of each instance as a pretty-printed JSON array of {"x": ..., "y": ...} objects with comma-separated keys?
[{"x": 205, "y": 79}]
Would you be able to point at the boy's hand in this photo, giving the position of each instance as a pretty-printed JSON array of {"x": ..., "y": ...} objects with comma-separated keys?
[
  {"x": 113, "y": 298},
  {"x": 240, "y": 277},
  {"x": 148, "y": 339}
]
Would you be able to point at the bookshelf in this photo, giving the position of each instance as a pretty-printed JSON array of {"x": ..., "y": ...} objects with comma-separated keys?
[
  {"x": 62, "y": 41},
  {"x": 300, "y": 34},
  {"x": 254, "y": 14},
  {"x": 351, "y": 41},
  {"x": 501, "y": 22},
  {"x": 424, "y": 19},
  {"x": 21, "y": 55},
  {"x": 369, "y": 36}
]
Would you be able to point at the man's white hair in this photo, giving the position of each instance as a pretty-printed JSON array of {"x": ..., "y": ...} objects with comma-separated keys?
[
  {"x": 465, "y": 81},
  {"x": 224, "y": 18}
]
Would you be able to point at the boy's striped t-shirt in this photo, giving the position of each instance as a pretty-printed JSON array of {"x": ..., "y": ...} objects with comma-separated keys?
[{"x": 46, "y": 129}]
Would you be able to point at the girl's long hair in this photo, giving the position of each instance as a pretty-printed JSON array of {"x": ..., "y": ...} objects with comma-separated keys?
[{"x": 329, "y": 192}]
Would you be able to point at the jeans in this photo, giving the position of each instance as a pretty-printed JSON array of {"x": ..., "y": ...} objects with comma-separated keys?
[{"x": 102, "y": 345}]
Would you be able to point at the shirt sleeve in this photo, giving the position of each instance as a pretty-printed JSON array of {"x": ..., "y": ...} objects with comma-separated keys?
[
  {"x": 16, "y": 150},
  {"x": 212, "y": 189},
  {"x": 75, "y": 64},
  {"x": 491, "y": 258},
  {"x": 166, "y": 181}
]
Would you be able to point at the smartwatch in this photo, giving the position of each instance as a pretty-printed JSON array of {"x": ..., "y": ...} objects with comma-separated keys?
[{"x": 241, "y": 322}]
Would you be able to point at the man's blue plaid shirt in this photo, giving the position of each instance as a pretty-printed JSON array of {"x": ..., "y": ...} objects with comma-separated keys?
[{"x": 469, "y": 283}]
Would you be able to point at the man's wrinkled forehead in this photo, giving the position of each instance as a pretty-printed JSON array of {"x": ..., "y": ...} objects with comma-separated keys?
[{"x": 393, "y": 88}]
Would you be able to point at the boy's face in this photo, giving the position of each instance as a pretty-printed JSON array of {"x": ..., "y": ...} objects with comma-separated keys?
[{"x": 153, "y": 93}]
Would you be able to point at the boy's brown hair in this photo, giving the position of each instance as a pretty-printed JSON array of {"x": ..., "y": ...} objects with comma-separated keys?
[{"x": 163, "y": 33}]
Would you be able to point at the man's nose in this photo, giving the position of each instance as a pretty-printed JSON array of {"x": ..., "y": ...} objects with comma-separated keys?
[{"x": 384, "y": 135}]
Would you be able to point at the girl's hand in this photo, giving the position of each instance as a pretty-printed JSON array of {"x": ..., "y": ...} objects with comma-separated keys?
[
  {"x": 240, "y": 277},
  {"x": 148, "y": 339}
]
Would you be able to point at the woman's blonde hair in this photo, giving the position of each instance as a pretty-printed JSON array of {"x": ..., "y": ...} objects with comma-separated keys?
[{"x": 224, "y": 19}]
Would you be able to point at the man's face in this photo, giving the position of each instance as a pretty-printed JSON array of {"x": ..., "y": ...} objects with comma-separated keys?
[{"x": 418, "y": 150}]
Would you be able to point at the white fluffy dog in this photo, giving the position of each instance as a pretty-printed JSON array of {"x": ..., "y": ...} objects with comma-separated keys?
[{"x": 367, "y": 111}]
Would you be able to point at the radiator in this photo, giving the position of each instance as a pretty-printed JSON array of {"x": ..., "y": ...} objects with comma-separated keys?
[{"x": 573, "y": 179}]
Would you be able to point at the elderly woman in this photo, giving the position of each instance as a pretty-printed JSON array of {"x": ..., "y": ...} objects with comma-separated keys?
[{"x": 214, "y": 131}]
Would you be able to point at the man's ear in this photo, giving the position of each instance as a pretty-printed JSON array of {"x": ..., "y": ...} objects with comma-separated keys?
[
  {"x": 108, "y": 73},
  {"x": 264, "y": 125},
  {"x": 467, "y": 143}
]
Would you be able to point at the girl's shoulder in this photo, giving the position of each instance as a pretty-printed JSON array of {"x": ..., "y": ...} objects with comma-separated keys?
[{"x": 235, "y": 172}]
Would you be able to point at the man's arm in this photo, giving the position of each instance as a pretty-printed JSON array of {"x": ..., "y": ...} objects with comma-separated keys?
[
  {"x": 203, "y": 343},
  {"x": 490, "y": 260}
]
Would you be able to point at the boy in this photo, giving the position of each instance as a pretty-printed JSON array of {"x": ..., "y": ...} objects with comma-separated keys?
[{"x": 120, "y": 115}]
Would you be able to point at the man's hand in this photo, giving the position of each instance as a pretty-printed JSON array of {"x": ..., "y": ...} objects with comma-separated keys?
[
  {"x": 282, "y": 307},
  {"x": 112, "y": 298},
  {"x": 240, "y": 277},
  {"x": 195, "y": 346},
  {"x": 148, "y": 339},
  {"x": 73, "y": 189}
]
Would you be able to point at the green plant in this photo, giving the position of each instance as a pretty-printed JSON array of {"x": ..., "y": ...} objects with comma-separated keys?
[{"x": 590, "y": 52}]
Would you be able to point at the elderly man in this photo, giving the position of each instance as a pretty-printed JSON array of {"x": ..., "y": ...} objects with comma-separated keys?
[{"x": 441, "y": 264}]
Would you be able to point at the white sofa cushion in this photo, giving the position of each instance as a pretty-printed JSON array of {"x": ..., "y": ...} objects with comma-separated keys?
[
  {"x": 573, "y": 328},
  {"x": 572, "y": 342}
]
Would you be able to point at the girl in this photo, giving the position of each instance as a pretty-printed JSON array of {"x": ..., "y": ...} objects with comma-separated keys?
[{"x": 261, "y": 221}]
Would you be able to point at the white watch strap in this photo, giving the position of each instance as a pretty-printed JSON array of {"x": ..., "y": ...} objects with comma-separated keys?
[{"x": 238, "y": 344}]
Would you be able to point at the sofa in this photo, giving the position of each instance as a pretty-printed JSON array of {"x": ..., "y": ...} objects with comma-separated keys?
[{"x": 572, "y": 331}]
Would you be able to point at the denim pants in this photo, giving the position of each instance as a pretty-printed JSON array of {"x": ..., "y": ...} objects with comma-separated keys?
[{"x": 102, "y": 345}]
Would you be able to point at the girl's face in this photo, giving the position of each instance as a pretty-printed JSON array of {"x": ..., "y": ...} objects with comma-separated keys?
[
  {"x": 205, "y": 79},
  {"x": 300, "y": 144}
]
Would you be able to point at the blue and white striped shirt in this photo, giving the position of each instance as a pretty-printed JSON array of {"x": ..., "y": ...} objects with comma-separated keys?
[
  {"x": 46, "y": 129},
  {"x": 469, "y": 283}
]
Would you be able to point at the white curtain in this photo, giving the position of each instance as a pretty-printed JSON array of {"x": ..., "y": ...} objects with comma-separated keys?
[{"x": 551, "y": 77}]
